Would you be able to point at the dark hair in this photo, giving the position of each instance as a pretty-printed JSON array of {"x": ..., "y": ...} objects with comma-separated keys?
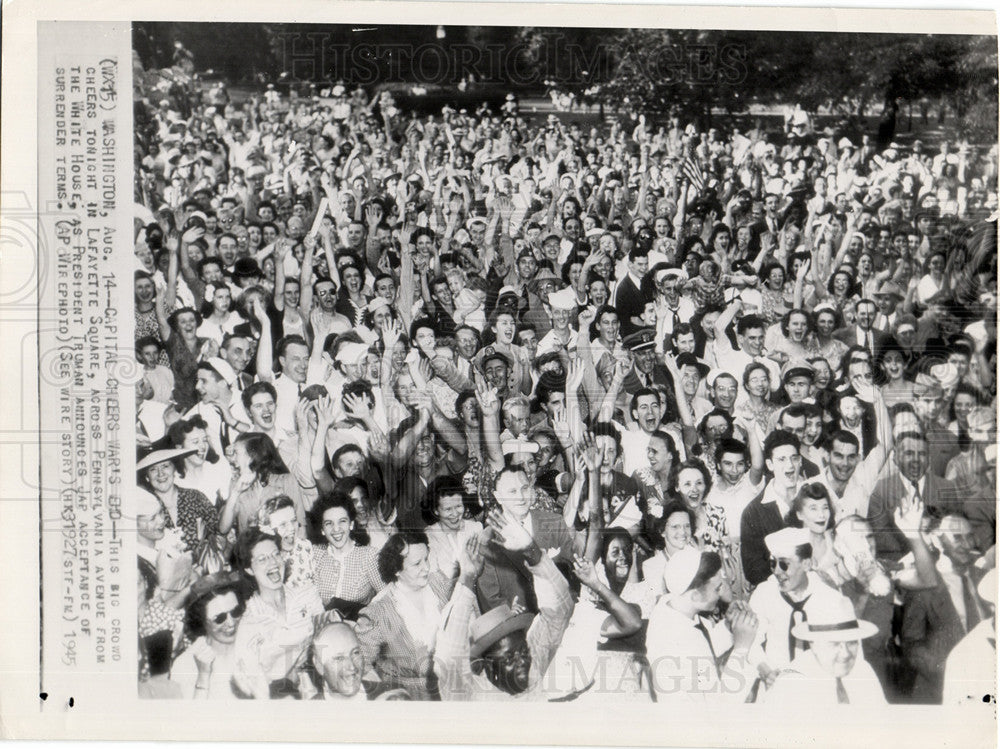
[
  {"x": 194, "y": 617},
  {"x": 343, "y": 450},
  {"x": 247, "y": 542},
  {"x": 359, "y": 388},
  {"x": 607, "y": 429},
  {"x": 265, "y": 461},
  {"x": 326, "y": 503},
  {"x": 641, "y": 392},
  {"x": 610, "y": 534},
  {"x": 668, "y": 440},
  {"x": 779, "y": 438},
  {"x": 449, "y": 486},
  {"x": 810, "y": 325},
  {"x": 708, "y": 568},
  {"x": 181, "y": 429},
  {"x": 172, "y": 320},
  {"x": 809, "y": 491},
  {"x": 671, "y": 508},
  {"x": 749, "y": 322},
  {"x": 697, "y": 465},
  {"x": 281, "y": 347},
  {"x": 421, "y": 322},
  {"x": 257, "y": 388},
  {"x": 845, "y": 437},
  {"x": 464, "y": 396},
  {"x": 730, "y": 445},
  {"x": 393, "y": 554},
  {"x": 794, "y": 411},
  {"x": 147, "y": 340}
]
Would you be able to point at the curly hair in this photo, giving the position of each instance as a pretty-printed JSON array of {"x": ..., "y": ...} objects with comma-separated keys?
[{"x": 329, "y": 502}]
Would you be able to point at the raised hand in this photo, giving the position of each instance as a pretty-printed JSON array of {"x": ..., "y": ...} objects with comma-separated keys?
[
  {"x": 259, "y": 313},
  {"x": 584, "y": 570},
  {"x": 489, "y": 403},
  {"x": 357, "y": 406},
  {"x": 192, "y": 235},
  {"x": 586, "y": 317},
  {"x": 472, "y": 556},
  {"x": 908, "y": 516},
  {"x": 326, "y": 411},
  {"x": 574, "y": 377},
  {"x": 378, "y": 444},
  {"x": 373, "y": 214},
  {"x": 590, "y": 453},
  {"x": 509, "y": 533}
]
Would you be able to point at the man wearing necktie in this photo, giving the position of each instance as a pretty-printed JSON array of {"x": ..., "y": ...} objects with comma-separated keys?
[
  {"x": 936, "y": 619},
  {"x": 829, "y": 673},
  {"x": 863, "y": 332},
  {"x": 785, "y": 600}
]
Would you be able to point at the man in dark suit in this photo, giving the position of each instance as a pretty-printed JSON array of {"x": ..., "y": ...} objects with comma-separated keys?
[
  {"x": 505, "y": 575},
  {"x": 766, "y": 513},
  {"x": 909, "y": 477},
  {"x": 629, "y": 301},
  {"x": 942, "y": 443},
  {"x": 863, "y": 332},
  {"x": 935, "y": 619}
]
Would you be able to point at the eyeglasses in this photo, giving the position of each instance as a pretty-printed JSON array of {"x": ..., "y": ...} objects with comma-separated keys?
[
  {"x": 782, "y": 564},
  {"x": 274, "y": 556},
  {"x": 235, "y": 614}
]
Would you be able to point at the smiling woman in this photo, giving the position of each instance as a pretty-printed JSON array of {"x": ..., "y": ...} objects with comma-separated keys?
[{"x": 278, "y": 624}]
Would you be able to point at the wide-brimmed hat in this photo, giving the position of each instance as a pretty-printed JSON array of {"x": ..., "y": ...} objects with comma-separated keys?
[
  {"x": 161, "y": 456},
  {"x": 494, "y": 625},
  {"x": 834, "y": 622}
]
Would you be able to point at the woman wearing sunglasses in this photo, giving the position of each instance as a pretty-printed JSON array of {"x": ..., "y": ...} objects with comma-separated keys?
[{"x": 205, "y": 669}]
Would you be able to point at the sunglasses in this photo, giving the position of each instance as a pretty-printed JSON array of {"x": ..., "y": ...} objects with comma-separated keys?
[
  {"x": 235, "y": 613},
  {"x": 782, "y": 564}
]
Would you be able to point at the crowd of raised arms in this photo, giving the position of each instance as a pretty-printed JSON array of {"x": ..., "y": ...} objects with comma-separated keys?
[{"x": 480, "y": 406}]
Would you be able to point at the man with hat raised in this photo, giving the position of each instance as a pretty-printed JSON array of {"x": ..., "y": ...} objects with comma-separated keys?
[
  {"x": 691, "y": 658},
  {"x": 785, "y": 599},
  {"x": 504, "y": 653},
  {"x": 830, "y": 671}
]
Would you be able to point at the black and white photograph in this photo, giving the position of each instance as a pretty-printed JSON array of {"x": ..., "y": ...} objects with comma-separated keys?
[
  {"x": 526, "y": 363},
  {"x": 406, "y": 355}
]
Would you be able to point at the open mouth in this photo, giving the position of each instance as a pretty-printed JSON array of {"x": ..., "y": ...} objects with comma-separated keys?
[{"x": 275, "y": 576}]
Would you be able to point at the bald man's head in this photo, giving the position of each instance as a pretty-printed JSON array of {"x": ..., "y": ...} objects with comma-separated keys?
[{"x": 337, "y": 659}]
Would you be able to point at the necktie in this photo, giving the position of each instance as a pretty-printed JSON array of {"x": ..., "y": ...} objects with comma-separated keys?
[
  {"x": 842, "y": 693},
  {"x": 798, "y": 616},
  {"x": 972, "y": 613},
  {"x": 700, "y": 626},
  {"x": 224, "y": 436}
]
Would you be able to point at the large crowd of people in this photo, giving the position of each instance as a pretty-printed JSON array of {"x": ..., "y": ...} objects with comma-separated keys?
[{"x": 478, "y": 407}]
